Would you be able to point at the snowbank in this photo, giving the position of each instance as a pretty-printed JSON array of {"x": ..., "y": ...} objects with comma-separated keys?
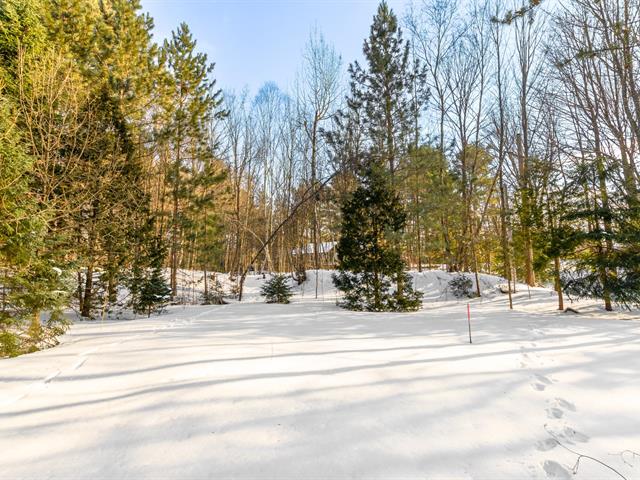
[{"x": 433, "y": 283}]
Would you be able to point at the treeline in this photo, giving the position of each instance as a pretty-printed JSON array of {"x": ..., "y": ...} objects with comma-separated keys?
[{"x": 509, "y": 134}]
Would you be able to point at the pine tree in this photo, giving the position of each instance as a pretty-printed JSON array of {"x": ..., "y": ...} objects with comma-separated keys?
[
  {"x": 606, "y": 259},
  {"x": 385, "y": 91},
  {"x": 369, "y": 258},
  {"x": 152, "y": 291},
  {"x": 192, "y": 104},
  {"x": 374, "y": 135},
  {"x": 214, "y": 294},
  {"x": 430, "y": 189},
  {"x": 110, "y": 45},
  {"x": 19, "y": 233},
  {"x": 128, "y": 60},
  {"x": 277, "y": 289}
]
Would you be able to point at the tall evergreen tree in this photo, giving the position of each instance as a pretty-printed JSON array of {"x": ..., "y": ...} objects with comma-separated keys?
[
  {"x": 430, "y": 190},
  {"x": 110, "y": 44},
  {"x": 193, "y": 102},
  {"x": 369, "y": 259},
  {"x": 17, "y": 231},
  {"x": 382, "y": 102},
  {"x": 384, "y": 90}
]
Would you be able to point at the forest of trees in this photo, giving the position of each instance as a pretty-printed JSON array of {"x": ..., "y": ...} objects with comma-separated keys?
[{"x": 508, "y": 133}]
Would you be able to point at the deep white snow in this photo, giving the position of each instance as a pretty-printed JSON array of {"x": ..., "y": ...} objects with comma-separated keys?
[{"x": 308, "y": 390}]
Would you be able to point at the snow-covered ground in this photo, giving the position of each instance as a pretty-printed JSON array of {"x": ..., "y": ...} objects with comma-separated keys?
[{"x": 308, "y": 390}]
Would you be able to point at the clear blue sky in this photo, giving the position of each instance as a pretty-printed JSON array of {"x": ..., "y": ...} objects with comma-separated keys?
[{"x": 254, "y": 41}]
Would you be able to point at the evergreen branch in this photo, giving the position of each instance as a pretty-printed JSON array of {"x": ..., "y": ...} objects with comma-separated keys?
[
  {"x": 587, "y": 54},
  {"x": 512, "y": 15}
]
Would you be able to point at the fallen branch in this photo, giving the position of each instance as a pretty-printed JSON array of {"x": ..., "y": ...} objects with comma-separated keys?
[
  {"x": 581, "y": 456},
  {"x": 621, "y": 455}
]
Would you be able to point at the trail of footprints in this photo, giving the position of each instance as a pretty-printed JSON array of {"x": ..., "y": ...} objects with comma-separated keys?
[
  {"x": 82, "y": 358},
  {"x": 555, "y": 411}
]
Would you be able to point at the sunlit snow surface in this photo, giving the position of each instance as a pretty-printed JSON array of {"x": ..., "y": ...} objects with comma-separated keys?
[{"x": 308, "y": 390}]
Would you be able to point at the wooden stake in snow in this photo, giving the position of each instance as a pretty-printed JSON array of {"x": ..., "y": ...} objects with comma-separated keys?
[{"x": 469, "y": 320}]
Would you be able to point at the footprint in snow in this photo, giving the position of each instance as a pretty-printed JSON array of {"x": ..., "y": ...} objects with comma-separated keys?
[
  {"x": 554, "y": 412},
  {"x": 546, "y": 445},
  {"x": 540, "y": 382},
  {"x": 543, "y": 379},
  {"x": 555, "y": 470},
  {"x": 570, "y": 434},
  {"x": 537, "y": 334},
  {"x": 565, "y": 404}
]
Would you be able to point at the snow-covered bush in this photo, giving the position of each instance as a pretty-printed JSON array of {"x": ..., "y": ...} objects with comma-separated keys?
[
  {"x": 215, "y": 295},
  {"x": 461, "y": 286},
  {"x": 235, "y": 289},
  {"x": 277, "y": 289}
]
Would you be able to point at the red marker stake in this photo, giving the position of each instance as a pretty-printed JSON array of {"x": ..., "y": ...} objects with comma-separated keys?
[{"x": 469, "y": 320}]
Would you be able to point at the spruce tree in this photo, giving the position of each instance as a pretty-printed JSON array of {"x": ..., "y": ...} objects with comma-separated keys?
[
  {"x": 20, "y": 233},
  {"x": 277, "y": 289},
  {"x": 151, "y": 290},
  {"x": 214, "y": 294},
  {"x": 369, "y": 258}
]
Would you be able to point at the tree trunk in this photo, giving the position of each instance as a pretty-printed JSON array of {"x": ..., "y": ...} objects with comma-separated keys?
[
  {"x": 505, "y": 239},
  {"x": 525, "y": 216},
  {"x": 556, "y": 273},
  {"x": 88, "y": 293}
]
